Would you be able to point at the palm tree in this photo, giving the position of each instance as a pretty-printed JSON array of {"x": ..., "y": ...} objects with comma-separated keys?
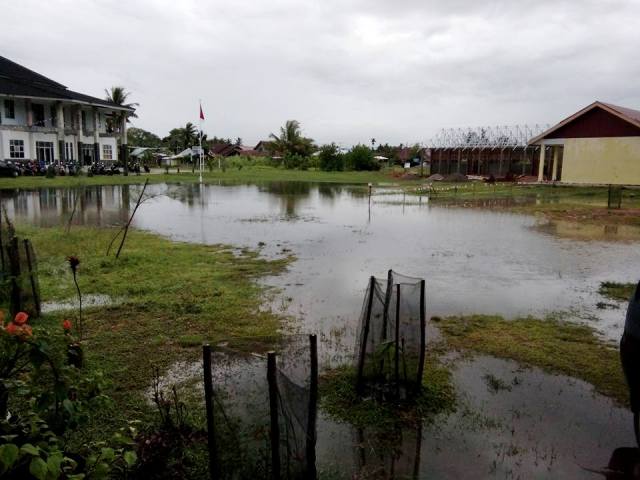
[
  {"x": 119, "y": 95},
  {"x": 190, "y": 134},
  {"x": 290, "y": 140}
]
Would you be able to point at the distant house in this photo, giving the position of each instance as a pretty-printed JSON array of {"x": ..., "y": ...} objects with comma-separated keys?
[
  {"x": 263, "y": 147},
  {"x": 233, "y": 150},
  {"x": 43, "y": 120},
  {"x": 599, "y": 144}
]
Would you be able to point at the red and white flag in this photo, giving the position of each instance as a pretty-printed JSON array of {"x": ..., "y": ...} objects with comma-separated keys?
[{"x": 201, "y": 113}]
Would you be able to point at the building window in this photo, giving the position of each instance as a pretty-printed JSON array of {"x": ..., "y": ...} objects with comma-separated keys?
[
  {"x": 53, "y": 111},
  {"x": 84, "y": 121},
  {"x": 107, "y": 152},
  {"x": 44, "y": 152},
  {"x": 38, "y": 114},
  {"x": 9, "y": 109},
  {"x": 68, "y": 151},
  {"x": 16, "y": 148}
]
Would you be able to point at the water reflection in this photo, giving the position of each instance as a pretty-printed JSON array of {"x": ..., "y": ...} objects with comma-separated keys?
[
  {"x": 46, "y": 207},
  {"x": 474, "y": 260}
]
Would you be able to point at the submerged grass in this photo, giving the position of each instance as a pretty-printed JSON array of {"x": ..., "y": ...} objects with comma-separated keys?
[
  {"x": 338, "y": 398},
  {"x": 585, "y": 204},
  {"x": 617, "y": 291},
  {"x": 552, "y": 345},
  {"x": 171, "y": 297}
]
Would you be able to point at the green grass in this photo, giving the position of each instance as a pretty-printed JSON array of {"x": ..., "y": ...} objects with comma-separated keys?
[
  {"x": 170, "y": 298},
  {"x": 552, "y": 345},
  {"x": 338, "y": 398},
  {"x": 246, "y": 174},
  {"x": 617, "y": 291}
]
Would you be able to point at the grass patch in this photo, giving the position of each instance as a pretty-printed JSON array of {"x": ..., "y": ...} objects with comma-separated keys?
[
  {"x": 172, "y": 297},
  {"x": 339, "y": 399},
  {"x": 254, "y": 174},
  {"x": 552, "y": 345},
  {"x": 617, "y": 291}
]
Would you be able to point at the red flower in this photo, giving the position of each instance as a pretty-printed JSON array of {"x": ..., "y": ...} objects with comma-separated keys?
[
  {"x": 21, "y": 318},
  {"x": 66, "y": 325},
  {"x": 11, "y": 328}
]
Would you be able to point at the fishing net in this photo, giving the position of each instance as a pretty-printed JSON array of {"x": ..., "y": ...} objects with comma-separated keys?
[
  {"x": 391, "y": 337},
  {"x": 247, "y": 398}
]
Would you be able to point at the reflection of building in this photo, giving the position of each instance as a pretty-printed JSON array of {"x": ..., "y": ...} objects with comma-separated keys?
[
  {"x": 598, "y": 144},
  {"x": 108, "y": 205},
  {"x": 42, "y": 120}
]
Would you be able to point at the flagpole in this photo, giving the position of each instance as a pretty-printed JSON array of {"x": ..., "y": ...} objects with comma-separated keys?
[{"x": 200, "y": 157}]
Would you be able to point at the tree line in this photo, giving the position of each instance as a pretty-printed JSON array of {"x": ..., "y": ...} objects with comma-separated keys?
[{"x": 289, "y": 147}]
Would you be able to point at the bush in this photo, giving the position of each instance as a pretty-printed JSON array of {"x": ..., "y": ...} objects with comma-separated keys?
[
  {"x": 296, "y": 161},
  {"x": 361, "y": 158},
  {"x": 51, "y": 172},
  {"x": 330, "y": 158}
]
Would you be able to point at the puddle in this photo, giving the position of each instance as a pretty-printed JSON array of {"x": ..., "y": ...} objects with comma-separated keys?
[
  {"x": 88, "y": 301},
  {"x": 535, "y": 425}
]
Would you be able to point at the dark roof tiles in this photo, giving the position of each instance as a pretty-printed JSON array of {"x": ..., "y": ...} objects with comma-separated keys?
[{"x": 20, "y": 81}]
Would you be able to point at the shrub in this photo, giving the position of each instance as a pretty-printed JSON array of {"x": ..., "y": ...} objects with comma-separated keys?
[
  {"x": 361, "y": 158},
  {"x": 51, "y": 172},
  {"x": 330, "y": 158},
  {"x": 296, "y": 161}
]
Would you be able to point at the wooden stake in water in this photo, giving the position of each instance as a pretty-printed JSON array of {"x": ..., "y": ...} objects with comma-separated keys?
[{"x": 214, "y": 466}]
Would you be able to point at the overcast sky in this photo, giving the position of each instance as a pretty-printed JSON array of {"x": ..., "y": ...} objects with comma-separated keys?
[{"x": 347, "y": 70}]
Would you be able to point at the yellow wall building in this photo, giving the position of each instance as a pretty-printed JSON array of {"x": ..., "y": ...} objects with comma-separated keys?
[{"x": 600, "y": 144}]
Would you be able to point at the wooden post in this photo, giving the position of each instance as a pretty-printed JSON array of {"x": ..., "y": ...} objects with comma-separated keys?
[
  {"x": 365, "y": 335},
  {"x": 32, "y": 276},
  {"x": 274, "y": 433},
  {"x": 214, "y": 470},
  {"x": 423, "y": 334},
  {"x": 13, "y": 252},
  {"x": 313, "y": 410},
  {"x": 396, "y": 362}
]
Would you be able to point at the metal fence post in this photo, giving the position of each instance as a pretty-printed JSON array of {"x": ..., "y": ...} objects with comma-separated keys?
[
  {"x": 313, "y": 410},
  {"x": 365, "y": 335},
  {"x": 274, "y": 433},
  {"x": 423, "y": 334}
]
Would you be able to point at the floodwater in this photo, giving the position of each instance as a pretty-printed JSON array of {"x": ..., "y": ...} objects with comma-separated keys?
[{"x": 473, "y": 260}]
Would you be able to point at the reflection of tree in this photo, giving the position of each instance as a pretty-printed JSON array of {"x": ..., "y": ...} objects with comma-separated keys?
[{"x": 288, "y": 194}]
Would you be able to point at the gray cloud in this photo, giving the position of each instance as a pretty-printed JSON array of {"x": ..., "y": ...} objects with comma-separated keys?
[{"x": 348, "y": 71}]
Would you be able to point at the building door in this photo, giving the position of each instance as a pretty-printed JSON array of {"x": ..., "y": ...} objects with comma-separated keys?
[
  {"x": 44, "y": 153},
  {"x": 87, "y": 153},
  {"x": 559, "y": 166}
]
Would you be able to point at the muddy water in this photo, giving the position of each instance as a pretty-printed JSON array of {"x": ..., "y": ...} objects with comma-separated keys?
[{"x": 474, "y": 261}]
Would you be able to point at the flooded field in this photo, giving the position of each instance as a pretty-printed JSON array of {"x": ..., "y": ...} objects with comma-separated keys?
[{"x": 473, "y": 260}]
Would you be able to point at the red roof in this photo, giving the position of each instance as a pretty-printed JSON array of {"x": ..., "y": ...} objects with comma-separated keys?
[{"x": 629, "y": 115}]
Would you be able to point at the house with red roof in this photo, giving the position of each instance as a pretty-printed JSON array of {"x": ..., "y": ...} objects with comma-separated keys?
[{"x": 599, "y": 144}]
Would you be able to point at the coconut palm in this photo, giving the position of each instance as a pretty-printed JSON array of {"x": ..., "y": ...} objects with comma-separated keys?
[
  {"x": 190, "y": 135},
  {"x": 119, "y": 96},
  {"x": 291, "y": 141}
]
